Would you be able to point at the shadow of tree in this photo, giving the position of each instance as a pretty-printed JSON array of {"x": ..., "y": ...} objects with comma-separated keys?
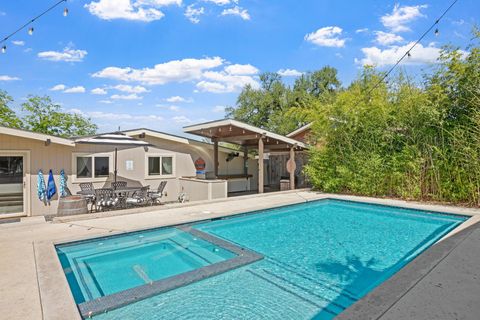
[{"x": 356, "y": 276}]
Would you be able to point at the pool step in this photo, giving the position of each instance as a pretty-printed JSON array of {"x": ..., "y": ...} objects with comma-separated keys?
[{"x": 329, "y": 301}]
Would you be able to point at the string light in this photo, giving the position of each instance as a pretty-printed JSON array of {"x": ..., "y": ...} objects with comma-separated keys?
[
  {"x": 27, "y": 24},
  {"x": 408, "y": 54}
]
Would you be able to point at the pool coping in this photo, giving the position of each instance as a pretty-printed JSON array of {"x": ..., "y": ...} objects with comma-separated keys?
[
  {"x": 120, "y": 299},
  {"x": 54, "y": 291}
]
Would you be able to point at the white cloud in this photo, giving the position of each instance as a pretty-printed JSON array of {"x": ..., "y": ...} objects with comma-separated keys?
[
  {"x": 172, "y": 71},
  {"x": 132, "y": 96},
  {"x": 68, "y": 55},
  {"x": 130, "y": 89},
  {"x": 402, "y": 15},
  {"x": 362, "y": 30},
  {"x": 223, "y": 82},
  {"x": 327, "y": 37},
  {"x": 289, "y": 73},
  {"x": 218, "y": 109},
  {"x": 18, "y": 42},
  {"x": 241, "y": 69},
  {"x": 193, "y": 13},
  {"x": 58, "y": 87},
  {"x": 8, "y": 78},
  {"x": 181, "y": 119},
  {"x": 118, "y": 116},
  {"x": 221, "y": 2},
  {"x": 176, "y": 99},
  {"x": 386, "y": 38},
  {"x": 99, "y": 91},
  {"x": 237, "y": 11},
  {"x": 419, "y": 55},
  {"x": 106, "y": 101},
  {"x": 140, "y": 10},
  {"x": 77, "y": 89}
]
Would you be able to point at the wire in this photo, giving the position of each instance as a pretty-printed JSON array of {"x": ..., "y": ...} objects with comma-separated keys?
[
  {"x": 408, "y": 53},
  {"x": 32, "y": 20}
]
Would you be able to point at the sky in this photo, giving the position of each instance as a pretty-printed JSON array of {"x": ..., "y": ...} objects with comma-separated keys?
[{"x": 165, "y": 64}]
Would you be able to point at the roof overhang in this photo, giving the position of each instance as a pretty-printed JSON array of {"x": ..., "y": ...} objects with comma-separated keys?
[
  {"x": 117, "y": 139},
  {"x": 48, "y": 139},
  {"x": 300, "y": 130},
  {"x": 233, "y": 131},
  {"x": 156, "y": 134}
]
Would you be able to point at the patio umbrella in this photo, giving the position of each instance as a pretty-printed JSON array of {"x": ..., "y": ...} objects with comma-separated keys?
[
  {"x": 117, "y": 139},
  {"x": 41, "y": 190},
  {"x": 63, "y": 184}
]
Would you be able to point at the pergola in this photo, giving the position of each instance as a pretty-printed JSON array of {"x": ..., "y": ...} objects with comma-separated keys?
[{"x": 249, "y": 137}]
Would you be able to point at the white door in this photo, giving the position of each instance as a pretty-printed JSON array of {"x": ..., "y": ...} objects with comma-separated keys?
[{"x": 13, "y": 184}]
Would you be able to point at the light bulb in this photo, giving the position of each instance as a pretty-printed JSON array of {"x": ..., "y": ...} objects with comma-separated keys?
[
  {"x": 4, "y": 49},
  {"x": 30, "y": 31},
  {"x": 65, "y": 12},
  {"x": 437, "y": 32}
]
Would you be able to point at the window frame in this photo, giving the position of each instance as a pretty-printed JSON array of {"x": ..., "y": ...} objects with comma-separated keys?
[
  {"x": 77, "y": 179},
  {"x": 161, "y": 156}
]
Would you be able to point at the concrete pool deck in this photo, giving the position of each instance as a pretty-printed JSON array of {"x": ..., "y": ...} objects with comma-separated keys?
[{"x": 444, "y": 285}]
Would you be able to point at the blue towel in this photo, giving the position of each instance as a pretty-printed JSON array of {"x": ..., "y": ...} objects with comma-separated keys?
[
  {"x": 41, "y": 191},
  {"x": 63, "y": 184},
  {"x": 51, "y": 189}
]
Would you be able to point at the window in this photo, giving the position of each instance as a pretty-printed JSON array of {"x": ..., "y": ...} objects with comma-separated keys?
[
  {"x": 101, "y": 167},
  {"x": 92, "y": 166},
  {"x": 84, "y": 167},
  {"x": 160, "y": 165}
]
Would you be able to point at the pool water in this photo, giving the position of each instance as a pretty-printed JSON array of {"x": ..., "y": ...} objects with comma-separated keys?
[
  {"x": 319, "y": 258},
  {"x": 109, "y": 265}
]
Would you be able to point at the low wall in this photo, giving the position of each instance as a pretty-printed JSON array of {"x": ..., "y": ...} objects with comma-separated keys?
[{"x": 198, "y": 189}]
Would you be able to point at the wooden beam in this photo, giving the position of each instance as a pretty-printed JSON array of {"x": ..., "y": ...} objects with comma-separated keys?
[
  {"x": 292, "y": 172},
  {"x": 240, "y": 137},
  {"x": 260, "y": 165},
  {"x": 215, "y": 157}
]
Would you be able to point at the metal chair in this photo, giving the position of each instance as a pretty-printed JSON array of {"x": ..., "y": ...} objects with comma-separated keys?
[
  {"x": 155, "y": 196},
  {"x": 139, "y": 198},
  {"x": 119, "y": 184},
  {"x": 105, "y": 199},
  {"x": 90, "y": 198}
]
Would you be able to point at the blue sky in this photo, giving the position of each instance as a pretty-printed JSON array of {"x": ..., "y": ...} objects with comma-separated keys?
[{"x": 164, "y": 64}]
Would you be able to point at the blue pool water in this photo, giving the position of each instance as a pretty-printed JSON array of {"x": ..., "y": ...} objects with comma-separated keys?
[
  {"x": 109, "y": 265},
  {"x": 320, "y": 258}
]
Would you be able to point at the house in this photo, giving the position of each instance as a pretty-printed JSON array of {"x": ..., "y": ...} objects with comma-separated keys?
[{"x": 187, "y": 165}]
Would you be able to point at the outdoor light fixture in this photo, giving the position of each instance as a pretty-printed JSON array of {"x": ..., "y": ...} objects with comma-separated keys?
[
  {"x": 4, "y": 49},
  {"x": 48, "y": 142},
  {"x": 409, "y": 54},
  {"x": 437, "y": 32},
  {"x": 30, "y": 31},
  {"x": 65, "y": 12}
]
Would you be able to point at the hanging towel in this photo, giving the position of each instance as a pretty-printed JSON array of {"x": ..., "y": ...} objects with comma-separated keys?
[
  {"x": 42, "y": 192},
  {"x": 51, "y": 189},
  {"x": 63, "y": 184}
]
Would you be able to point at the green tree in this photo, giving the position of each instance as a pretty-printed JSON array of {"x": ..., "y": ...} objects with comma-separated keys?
[
  {"x": 404, "y": 139},
  {"x": 8, "y": 118},
  {"x": 44, "y": 116}
]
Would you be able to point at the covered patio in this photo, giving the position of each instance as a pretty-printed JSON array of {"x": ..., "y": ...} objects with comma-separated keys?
[{"x": 249, "y": 138}]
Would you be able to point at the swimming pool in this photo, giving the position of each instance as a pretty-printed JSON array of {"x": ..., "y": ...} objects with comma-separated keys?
[{"x": 318, "y": 259}]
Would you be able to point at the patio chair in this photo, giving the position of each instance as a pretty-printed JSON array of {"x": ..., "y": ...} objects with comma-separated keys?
[
  {"x": 139, "y": 198},
  {"x": 105, "y": 199},
  {"x": 156, "y": 195},
  {"x": 119, "y": 184},
  {"x": 90, "y": 198}
]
